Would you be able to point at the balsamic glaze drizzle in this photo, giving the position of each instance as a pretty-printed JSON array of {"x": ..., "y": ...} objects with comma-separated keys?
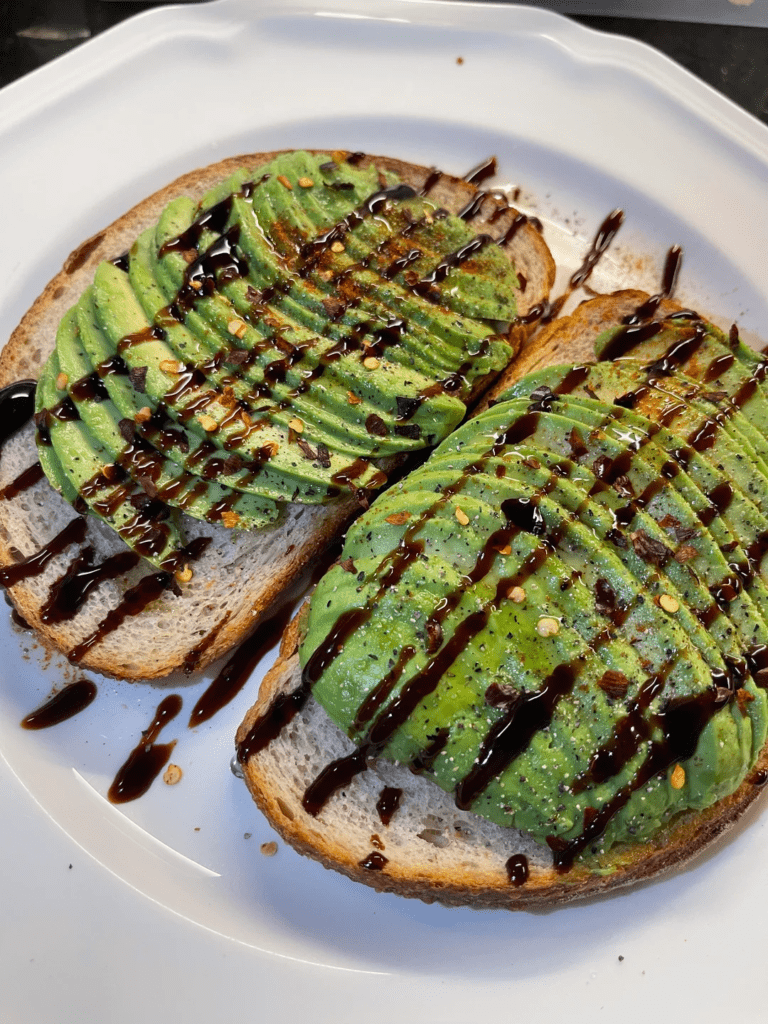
[
  {"x": 517, "y": 869},
  {"x": 388, "y": 803},
  {"x": 64, "y": 704},
  {"x": 17, "y": 405},
  {"x": 233, "y": 676},
  {"x": 148, "y": 758}
]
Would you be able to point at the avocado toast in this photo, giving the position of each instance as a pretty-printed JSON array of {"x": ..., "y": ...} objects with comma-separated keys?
[
  {"x": 227, "y": 373},
  {"x": 539, "y": 670}
]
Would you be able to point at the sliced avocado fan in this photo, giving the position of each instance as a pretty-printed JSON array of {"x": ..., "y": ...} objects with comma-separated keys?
[
  {"x": 269, "y": 345},
  {"x": 583, "y": 653}
]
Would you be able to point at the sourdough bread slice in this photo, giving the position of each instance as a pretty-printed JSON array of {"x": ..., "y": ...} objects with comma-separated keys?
[
  {"x": 239, "y": 575},
  {"x": 430, "y": 849}
]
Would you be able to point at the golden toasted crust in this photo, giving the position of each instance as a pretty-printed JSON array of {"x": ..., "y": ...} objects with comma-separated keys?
[
  {"x": 229, "y": 596},
  {"x": 466, "y": 874}
]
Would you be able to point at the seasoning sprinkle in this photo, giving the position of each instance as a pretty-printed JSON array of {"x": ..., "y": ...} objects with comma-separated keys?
[
  {"x": 398, "y": 518},
  {"x": 547, "y": 627},
  {"x": 207, "y": 422},
  {"x": 172, "y": 775}
]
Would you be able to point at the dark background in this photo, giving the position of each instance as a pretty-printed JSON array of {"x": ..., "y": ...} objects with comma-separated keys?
[{"x": 733, "y": 59}]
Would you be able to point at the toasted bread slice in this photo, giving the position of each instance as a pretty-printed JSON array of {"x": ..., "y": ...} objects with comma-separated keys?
[
  {"x": 240, "y": 574},
  {"x": 429, "y": 849},
  {"x": 433, "y": 851}
]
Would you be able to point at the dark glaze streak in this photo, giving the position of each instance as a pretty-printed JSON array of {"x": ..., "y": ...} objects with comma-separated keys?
[
  {"x": 627, "y": 337},
  {"x": 423, "y": 762},
  {"x": 425, "y": 286},
  {"x": 628, "y": 735},
  {"x": 22, "y": 482},
  {"x": 605, "y": 235},
  {"x": 682, "y": 722},
  {"x": 648, "y": 309},
  {"x": 388, "y": 803},
  {"x": 381, "y": 692},
  {"x": 335, "y": 776},
  {"x": 430, "y": 181},
  {"x": 374, "y": 862},
  {"x": 213, "y": 220},
  {"x": 240, "y": 666},
  {"x": 678, "y": 353},
  {"x": 482, "y": 172},
  {"x": 512, "y": 733},
  {"x": 69, "y": 701},
  {"x": 17, "y": 406},
  {"x": 719, "y": 498},
  {"x": 68, "y": 594},
  {"x": 521, "y": 515},
  {"x": 313, "y": 250},
  {"x": 640, "y": 325},
  {"x": 140, "y": 596},
  {"x": 517, "y": 869},
  {"x": 269, "y": 725},
  {"x": 147, "y": 759},
  {"x": 134, "y": 601},
  {"x": 73, "y": 533}
]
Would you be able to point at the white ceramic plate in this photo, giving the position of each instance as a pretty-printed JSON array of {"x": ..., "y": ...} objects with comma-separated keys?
[{"x": 166, "y": 906}]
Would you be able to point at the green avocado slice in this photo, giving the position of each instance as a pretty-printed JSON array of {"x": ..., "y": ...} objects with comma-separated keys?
[
  {"x": 713, "y": 497},
  {"x": 700, "y": 350},
  {"x": 487, "y": 292},
  {"x": 578, "y": 656},
  {"x": 532, "y": 472},
  {"x": 325, "y": 409},
  {"x": 315, "y": 304},
  {"x": 146, "y": 527},
  {"x": 46, "y": 454},
  {"x": 545, "y": 479},
  {"x": 703, "y": 420},
  {"x": 281, "y": 222},
  {"x": 159, "y": 429},
  {"x": 410, "y": 246},
  {"x": 161, "y": 478},
  {"x": 336, "y": 310},
  {"x": 284, "y": 473}
]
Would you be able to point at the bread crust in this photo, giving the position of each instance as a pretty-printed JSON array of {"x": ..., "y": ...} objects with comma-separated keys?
[
  {"x": 475, "y": 877},
  {"x": 288, "y": 552}
]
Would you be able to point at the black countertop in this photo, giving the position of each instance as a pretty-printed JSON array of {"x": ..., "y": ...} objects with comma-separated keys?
[{"x": 732, "y": 58}]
